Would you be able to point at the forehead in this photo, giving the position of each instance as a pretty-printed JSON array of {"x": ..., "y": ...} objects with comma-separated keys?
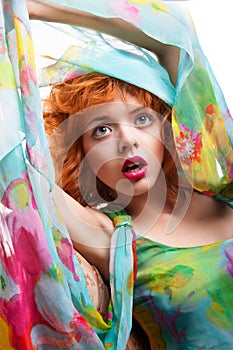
[{"x": 118, "y": 107}]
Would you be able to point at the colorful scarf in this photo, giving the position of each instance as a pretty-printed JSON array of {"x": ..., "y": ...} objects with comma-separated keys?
[
  {"x": 44, "y": 301},
  {"x": 202, "y": 124}
]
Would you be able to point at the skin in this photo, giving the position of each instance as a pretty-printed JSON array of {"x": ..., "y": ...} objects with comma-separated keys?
[
  {"x": 196, "y": 219},
  {"x": 118, "y": 131},
  {"x": 108, "y": 141},
  {"x": 42, "y": 10},
  {"x": 138, "y": 132}
]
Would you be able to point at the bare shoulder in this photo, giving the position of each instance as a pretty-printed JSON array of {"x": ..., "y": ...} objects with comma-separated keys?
[
  {"x": 85, "y": 225},
  {"x": 90, "y": 230},
  {"x": 229, "y": 217},
  {"x": 95, "y": 240},
  {"x": 103, "y": 220}
]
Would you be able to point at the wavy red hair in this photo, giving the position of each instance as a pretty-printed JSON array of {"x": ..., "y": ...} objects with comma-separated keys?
[{"x": 69, "y": 98}]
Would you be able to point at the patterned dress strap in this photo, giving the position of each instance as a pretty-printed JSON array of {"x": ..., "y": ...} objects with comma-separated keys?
[{"x": 121, "y": 219}]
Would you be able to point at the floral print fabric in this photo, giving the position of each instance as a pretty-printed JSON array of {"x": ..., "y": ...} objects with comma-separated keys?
[
  {"x": 183, "y": 296},
  {"x": 44, "y": 300},
  {"x": 202, "y": 124}
]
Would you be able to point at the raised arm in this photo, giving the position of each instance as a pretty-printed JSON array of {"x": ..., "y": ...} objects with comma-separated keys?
[{"x": 168, "y": 55}]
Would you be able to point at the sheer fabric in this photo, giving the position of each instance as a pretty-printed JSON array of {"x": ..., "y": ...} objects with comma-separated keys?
[
  {"x": 44, "y": 300},
  {"x": 202, "y": 124}
]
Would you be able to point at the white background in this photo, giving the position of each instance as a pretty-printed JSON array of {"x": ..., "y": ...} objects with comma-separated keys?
[{"x": 214, "y": 24}]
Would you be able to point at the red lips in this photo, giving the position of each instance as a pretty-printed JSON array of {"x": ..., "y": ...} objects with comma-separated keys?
[{"x": 134, "y": 168}]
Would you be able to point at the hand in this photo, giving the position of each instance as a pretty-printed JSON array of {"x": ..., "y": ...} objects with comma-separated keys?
[{"x": 168, "y": 55}]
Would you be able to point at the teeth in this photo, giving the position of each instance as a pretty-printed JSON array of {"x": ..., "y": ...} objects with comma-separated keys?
[{"x": 133, "y": 167}]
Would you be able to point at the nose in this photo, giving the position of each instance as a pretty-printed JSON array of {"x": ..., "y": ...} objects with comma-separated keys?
[{"x": 127, "y": 140}]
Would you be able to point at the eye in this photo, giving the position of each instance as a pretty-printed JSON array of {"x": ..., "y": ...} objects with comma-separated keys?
[
  {"x": 144, "y": 120},
  {"x": 101, "y": 131}
]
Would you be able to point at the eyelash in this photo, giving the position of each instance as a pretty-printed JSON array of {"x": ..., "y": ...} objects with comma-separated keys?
[
  {"x": 148, "y": 117},
  {"x": 95, "y": 130}
]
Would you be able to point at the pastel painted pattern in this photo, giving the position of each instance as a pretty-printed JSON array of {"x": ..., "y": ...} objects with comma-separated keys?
[
  {"x": 44, "y": 301},
  {"x": 182, "y": 295}
]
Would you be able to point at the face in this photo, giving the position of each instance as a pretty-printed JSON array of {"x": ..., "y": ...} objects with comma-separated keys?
[{"x": 123, "y": 145}]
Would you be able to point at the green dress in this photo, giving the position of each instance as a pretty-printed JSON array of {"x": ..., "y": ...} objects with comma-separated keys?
[
  {"x": 183, "y": 297},
  {"x": 44, "y": 301}
]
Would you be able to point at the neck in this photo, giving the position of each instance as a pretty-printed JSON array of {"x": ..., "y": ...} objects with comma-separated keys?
[
  {"x": 154, "y": 201},
  {"x": 155, "y": 205},
  {"x": 202, "y": 207}
]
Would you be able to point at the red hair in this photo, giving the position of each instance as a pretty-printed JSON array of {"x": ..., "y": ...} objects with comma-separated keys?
[{"x": 73, "y": 96}]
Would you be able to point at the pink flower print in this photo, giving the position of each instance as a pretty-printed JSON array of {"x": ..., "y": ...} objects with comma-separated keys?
[
  {"x": 66, "y": 254},
  {"x": 229, "y": 264},
  {"x": 230, "y": 174},
  {"x": 37, "y": 159},
  {"x": 27, "y": 75},
  {"x": 80, "y": 327},
  {"x": 29, "y": 259},
  {"x": 126, "y": 10},
  {"x": 189, "y": 145},
  {"x": 76, "y": 335},
  {"x": 3, "y": 47},
  {"x": 62, "y": 327}
]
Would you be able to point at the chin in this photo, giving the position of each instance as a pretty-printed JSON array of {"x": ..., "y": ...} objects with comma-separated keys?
[
  {"x": 135, "y": 188},
  {"x": 142, "y": 188}
]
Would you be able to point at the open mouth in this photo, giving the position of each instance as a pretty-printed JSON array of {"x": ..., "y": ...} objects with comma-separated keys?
[{"x": 134, "y": 168}]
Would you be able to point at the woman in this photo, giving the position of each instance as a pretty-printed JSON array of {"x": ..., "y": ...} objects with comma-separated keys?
[
  {"x": 171, "y": 303},
  {"x": 124, "y": 137},
  {"x": 196, "y": 316}
]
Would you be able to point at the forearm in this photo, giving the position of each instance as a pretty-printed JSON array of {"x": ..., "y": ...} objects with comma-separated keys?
[
  {"x": 167, "y": 55},
  {"x": 47, "y": 11}
]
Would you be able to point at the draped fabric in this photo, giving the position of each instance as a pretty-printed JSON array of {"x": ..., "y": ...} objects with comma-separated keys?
[
  {"x": 184, "y": 303},
  {"x": 202, "y": 124},
  {"x": 44, "y": 301},
  {"x": 182, "y": 294}
]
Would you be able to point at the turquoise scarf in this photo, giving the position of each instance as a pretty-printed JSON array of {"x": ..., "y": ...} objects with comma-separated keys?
[{"x": 44, "y": 301}]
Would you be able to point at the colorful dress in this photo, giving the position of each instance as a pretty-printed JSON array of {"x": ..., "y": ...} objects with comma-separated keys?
[
  {"x": 183, "y": 297},
  {"x": 44, "y": 301}
]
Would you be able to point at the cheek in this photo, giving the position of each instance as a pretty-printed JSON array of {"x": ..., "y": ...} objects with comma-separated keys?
[
  {"x": 99, "y": 156},
  {"x": 104, "y": 169},
  {"x": 109, "y": 173},
  {"x": 160, "y": 151},
  {"x": 155, "y": 149},
  {"x": 157, "y": 160}
]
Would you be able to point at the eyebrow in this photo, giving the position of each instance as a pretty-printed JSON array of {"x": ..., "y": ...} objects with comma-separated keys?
[
  {"x": 138, "y": 109},
  {"x": 97, "y": 120}
]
